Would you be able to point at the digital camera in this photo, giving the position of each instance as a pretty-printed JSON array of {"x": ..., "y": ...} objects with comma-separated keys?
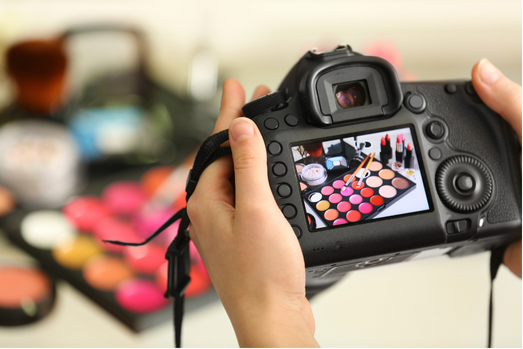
[{"x": 370, "y": 171}]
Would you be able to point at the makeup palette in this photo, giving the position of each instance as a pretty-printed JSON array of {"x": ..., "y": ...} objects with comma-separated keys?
[
  {"x": 337, "y": 203},
  {"x": 129, "y": 282}
]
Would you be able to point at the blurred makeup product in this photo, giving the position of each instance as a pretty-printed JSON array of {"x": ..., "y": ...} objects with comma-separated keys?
[
  {"x": 39, "y": 163},
  {"x": 128, "y": 282},
  {"x": 27, "y": 293},
  {"x": 409, "y": 159},
  {"x": 336, "y": 163},
  {"x": 314, "y": 174},
  {"x": 38, "y": 68},
  {"x": 7, "y": 201}
]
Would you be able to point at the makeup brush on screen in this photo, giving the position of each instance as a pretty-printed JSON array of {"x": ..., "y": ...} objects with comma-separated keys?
[
  {"x": 365, "y": 171},
  {"x": 354, "y": 173}
]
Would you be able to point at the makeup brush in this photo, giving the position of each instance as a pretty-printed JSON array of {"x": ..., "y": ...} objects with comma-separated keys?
[
  {"x": 354, "y": 174},
  {"x": 365, "y": 171}
]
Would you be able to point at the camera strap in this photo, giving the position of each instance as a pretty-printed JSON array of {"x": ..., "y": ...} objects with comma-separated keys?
[
  {"x": 177, "y": 253},
  {"x": 496, "y": 258}
]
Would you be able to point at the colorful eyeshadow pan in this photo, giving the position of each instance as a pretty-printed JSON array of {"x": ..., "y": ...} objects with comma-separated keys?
[
  {"x": 375, "y": 166},
  {"x": 144, "y": 259},
  {"x": 303, "y": 186},
  {"x": 400, "y": 183},
  {"x": 123, "y": 198},
  {"x": 74, "y": 253},
  {"x": 327, "y": 190},
  {"x": 105, "y": 273},
  {"x": 353, "y": 216},
  {"x": 140, "y": 296},
  {"x": 340, "y": 221},
  {"x": 387, "y": 174},
  {"x": 346, "y": 178},
  {"x": 110, "y": 228},
  {"x": 44, "y": 229},
  {"x": 377, "y": 200},
  {"x": 22, "y": 283},
  {"x": 331, "y": 214},
  {"x": 27, "y": 294},
  {"x": 374, "y": 182},
  {"x": 367, "y": 192},
  {"x": 348, "y": 191},
  {"x": 388, "y": 191},
  {"x": 355, "y": 199},
  {"x": 338, "y": 184},
  {"x": 344, "y": 206},
  {"x": 335, "y": 198},
  {"x": 84, "y": 212},
  {"x": 356, "y": 186},
  {"x": 315, "y": 197},
  {"x": 322, "y": 205},
  {"x": 365, "y": 208}
]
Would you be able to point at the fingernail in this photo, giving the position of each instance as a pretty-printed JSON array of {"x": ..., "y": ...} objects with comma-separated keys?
[
  {"x": 488, "y": 73},
  {"x": 241, "y": 129}
]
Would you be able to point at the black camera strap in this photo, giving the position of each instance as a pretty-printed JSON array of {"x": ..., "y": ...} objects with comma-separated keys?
[
  {"x": 177, "y": 254},
  {"x": 496, "y": 258}
]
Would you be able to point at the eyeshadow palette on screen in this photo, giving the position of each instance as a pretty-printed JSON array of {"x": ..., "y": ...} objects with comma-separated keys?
[{"x": 357, "y": 178}]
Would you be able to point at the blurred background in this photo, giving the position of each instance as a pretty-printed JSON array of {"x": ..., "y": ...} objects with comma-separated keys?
[{"x": 102, "y": 105}]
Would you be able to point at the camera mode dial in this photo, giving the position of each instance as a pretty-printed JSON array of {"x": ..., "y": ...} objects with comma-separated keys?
[
  {"x": 464, "y": 184},
  {"x": 263, "y": 104}
]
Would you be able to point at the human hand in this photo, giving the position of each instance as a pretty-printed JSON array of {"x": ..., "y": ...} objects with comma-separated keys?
[
  {"x": 251, "y": 252},
  {"x": 504, "y": 97}
]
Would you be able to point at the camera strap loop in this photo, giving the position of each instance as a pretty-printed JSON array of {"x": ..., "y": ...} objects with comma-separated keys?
[
  {"x": 496, "y": 258},
  {"x": 177, "y": 254}
]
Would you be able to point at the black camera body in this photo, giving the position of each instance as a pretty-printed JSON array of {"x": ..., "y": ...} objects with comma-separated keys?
[{"x": 437, "y": 171}]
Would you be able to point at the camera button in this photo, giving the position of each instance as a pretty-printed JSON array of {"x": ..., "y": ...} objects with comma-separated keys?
[
  {"x": 435, "y": 130},
  {"x": 435, "y": 153},
  {"x": 284, "y": 190},
  {"x": 289, "y": 211},
  {"x": 271, "y": 124},
  {"x": 279, "y": 169},
  {"x": 415, "y": 103},
  {"x": 470, "y": 89},
  {"x": 451, "y": 88},
  {"x": 297, "y": 231},
  {"x": 291, "y": 120},
  {"x": 274, "y": 148}
]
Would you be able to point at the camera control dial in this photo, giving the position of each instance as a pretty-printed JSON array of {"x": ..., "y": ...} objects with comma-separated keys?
[{"x": 464, "y": 184}]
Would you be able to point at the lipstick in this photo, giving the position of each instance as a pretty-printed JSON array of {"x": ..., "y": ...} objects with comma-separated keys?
[
  {"x": 387, "y": 143},
  {"x": 399, "y": 150},
  {"x": 384, "y": 155},
  {"x": 409, "y": 159}
]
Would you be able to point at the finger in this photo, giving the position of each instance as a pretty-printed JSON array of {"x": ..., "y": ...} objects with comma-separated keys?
[
  {"x": 498, "y": 92},
  {"x": 214, "y": 193},
  {"x": 250, "y": 164},
  {"x": 512, "y": 258},
  {"x": 233, "y": 99},
  {"x": 261, "y": 90}
]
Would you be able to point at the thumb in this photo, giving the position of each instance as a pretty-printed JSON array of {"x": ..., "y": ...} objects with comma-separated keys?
[
  {"x": 250, "y": 164},
  {"x": 498, "y": 92}
]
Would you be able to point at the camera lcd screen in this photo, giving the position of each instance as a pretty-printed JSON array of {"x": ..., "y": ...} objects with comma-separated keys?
[{"x": 359, "y": 178}]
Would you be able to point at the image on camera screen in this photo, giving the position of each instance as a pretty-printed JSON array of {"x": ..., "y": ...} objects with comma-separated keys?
[{"x": 358, "y": 178}]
